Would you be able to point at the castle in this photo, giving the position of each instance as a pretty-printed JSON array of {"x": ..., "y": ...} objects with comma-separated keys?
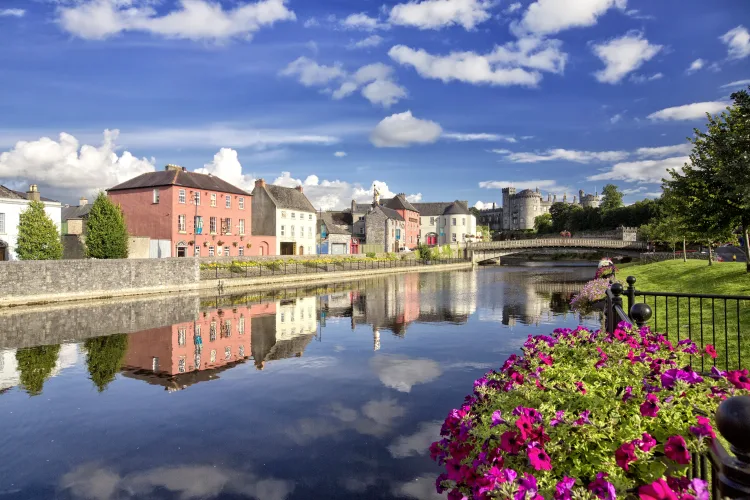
[{"x": 520, "y": 209}]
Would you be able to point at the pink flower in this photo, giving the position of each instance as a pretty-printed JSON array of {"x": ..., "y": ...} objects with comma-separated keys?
[
  {"x": 539, "y": 459},
  {"x": 547, "y": 360},
  {"x": 602, "y": 488},
  {"x": 739, "y": 379},
  {"x": 628, "y": 394},
  {"x": 563, "y": 489},
  {"x": 703, "y": 429},
  {"x": 650, "y": 408},
  {"x": 497, "y": 418},
  {"x": 646, "y": 443},
  {"x": 510, "y": 442},
  {"x": 711, "y": 351},
  {"x": 658, "y": 490},
  {"x": 525, "y": 426},
  {"x": 625, "y": 454},
  {"x": 676, "y": 449},
  {"x": 559, "y": 419},
  {"x": 580, "y": 387},
  {"x": 583, "y": 419}
]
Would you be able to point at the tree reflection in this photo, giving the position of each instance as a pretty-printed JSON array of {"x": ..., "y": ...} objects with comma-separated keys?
[
  {"x": 35, "y": 365},
  {"x": 104, "y": 357}
]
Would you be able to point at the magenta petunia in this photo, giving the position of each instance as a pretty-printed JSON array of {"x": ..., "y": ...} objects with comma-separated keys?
[
  {"x": 539, "y": 459},
  {"x": 497, "y": 418},
  {"x": 711, "y": 351},
  {"x": 676, "y": 449},
  {"x": 650, "y": 408},
  {"x": 625, "y": 455},
  {"x": 564, "y": 488},
  {"x": 584, "y": 418},
  {"x": 739, "y": 379},
  {"x": 703, "y": 429},
  {"x": 601, "y": 488},
  {"x": 511, "y": 442},
  {"x": 646, "y": 443},
  {"x": 559, "y": 419},
  {"x": 658, "y": 490},
  {"x": 580, "y": 387},
  {"x": 525, "y": 426},
  {"x": 628, "y": 395}
]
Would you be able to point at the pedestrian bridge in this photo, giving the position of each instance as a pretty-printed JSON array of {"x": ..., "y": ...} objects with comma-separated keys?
[{"x": 480, "y": 252}]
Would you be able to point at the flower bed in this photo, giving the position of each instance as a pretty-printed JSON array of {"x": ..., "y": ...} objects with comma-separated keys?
[
  {"x": 591, "y": 293},
  {"x": 586, "y": 414}
]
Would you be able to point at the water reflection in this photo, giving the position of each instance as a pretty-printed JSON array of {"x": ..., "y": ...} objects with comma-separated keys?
[{"x": 354, "y": 377}]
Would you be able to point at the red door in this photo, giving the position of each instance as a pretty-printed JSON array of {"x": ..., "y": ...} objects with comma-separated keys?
[{"x": 355, "y": 246}]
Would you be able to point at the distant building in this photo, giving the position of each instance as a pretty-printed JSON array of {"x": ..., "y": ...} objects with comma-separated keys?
[
  {"x": 443, "y": 223},
  {"x": 406, "y": 210},
  {"x": 336, "y": 238},
  {"x": 74, "y": 217},
  {"x": 384, "y": 229},
  {"x": 12, "y": 203},
  {"x": 287, "y": 215},
  {"x": 189, "y": 214},
  {"x": 492, "y": 217},
  {"x": 520, "y": 209}
]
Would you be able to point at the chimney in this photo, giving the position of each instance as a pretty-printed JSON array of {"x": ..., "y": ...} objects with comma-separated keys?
[
  {"x": 83, "y": 201},
  {"x": 354, "y": 206},
  {"x": 299, "y": 188},
  {"x": 259, "y": 183},
  {"x": 173, "y": 168},
  {"x": 33, "y": 193}
]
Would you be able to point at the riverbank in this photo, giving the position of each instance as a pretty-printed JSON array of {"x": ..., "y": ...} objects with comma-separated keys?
[{"x": 693, "y": 276}]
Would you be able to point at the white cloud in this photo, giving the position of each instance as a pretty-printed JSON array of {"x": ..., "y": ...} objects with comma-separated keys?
[
  {"x": 615, "y": 118},
  {"x": 67, "y": 164},
  {"x": 12, "y": 12},
  {"x": 417, "y": 443},
  {"x": 421, "y": 488},
  {"x": 738, "y": 83},
  {"x": 513, "y": 7},
  {"x": 737, "y": 41},
  {"x": 643, "y": 78},
  {"x": 311, "y": 23},
  {"x": 628, "y": 192},
  {"x": 542, "y": 184},
  {"x": 552, "y": 16},
  {"x": 696, "y": 65},
  {"x": 362, "y": 22},
  {"x": 227, "y": 166},
  {"x": 339, "y": 154},
  {"x": 692, "y": 111},
  {"x": 562, "y": 155},
  {"x": 366, "y": 43},
  {"x": 480, "y": 137},
  {"x": 646, "y": 171},
  {"x": 402, "y": 373},
  {"x": 374, "y": 80},
  {"x": 193, "y": 19},
  {"x": 660, "y": 152},
  {"x": 436, "y": 14},
  {"x": 403, "y": 129},
  {"x": 623, "y": 55},
  {"x": 482, "y": 205},
  {"x": 515, "y": 63}
]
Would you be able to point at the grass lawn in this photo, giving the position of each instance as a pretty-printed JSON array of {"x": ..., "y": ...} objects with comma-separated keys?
[{"x": 722, "y": 323}]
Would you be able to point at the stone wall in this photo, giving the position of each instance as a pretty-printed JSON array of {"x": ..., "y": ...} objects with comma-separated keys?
[
  {"x": 74, "y": 246},
  {"x": 47, "y": 325},
  {"x": 375, "y": 228},
  {"x": 621, "y": 233},
  {"x": 42, "y": 281}
]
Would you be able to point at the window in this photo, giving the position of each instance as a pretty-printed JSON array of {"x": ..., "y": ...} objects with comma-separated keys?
[
  {"x": 361, "y": 218},
  {"x": 227, "y": 353},
  {"x": 212, "y": 331},
  {"x": 361, "y": 230},
  {"x": 309, "y": 232},
  {"x": 226, "y": 227},
  {"x": 197, "y": 330},
  {"x": 213, "y": 199},
  {"x": 241, "y": 202},
  {"x": 181, "y": 196},
  {"x": 463, "y": 221},
  {"x": 228, "y": 201},
  {"x": 301, "y": 216},
  {"x": 156, "y": 195},
  {"x": 155, "y": 364},
  {"x": 241, "y": 251},
  {"x": 212, "y": 225},
  {"x": 292, "y": 228},
  {"x": 181, "y": 336},
  {"x": 226, "y": 251},
  {"x": 282, "y": 317},
  {"x": 242, "y": 351},
  {"x": 213, "y": 355},
  {"x": 197, "y": 197},
  {"x": 294, "y": 215},
  {"x": 309, "y": 217},
  {"x": 198, "y": 222},
  {"x": 241, "y": 325},
  {"x": 242, "y": 226},
  {"x": 454, "y": 221},
  {"x": 283, "y": 214},
  {"x": 228, "y": 329},
  {"x": 210, "y": 251},
  {"x": 453, "y": 237},
  {"x": 432, "y": 221},
  {"x": 197, "y": 251},
  {"x": 2, "y": 223},
  {"x": 181, "y": 223},
  {"x": 181, "y": 364},
  {"x": 283, "y": 228}
]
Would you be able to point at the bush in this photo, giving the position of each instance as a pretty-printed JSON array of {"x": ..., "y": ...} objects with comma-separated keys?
[
  {"x": 106, "y": 233},
  {"x": 38, "y": 237},
  {"x": 370, "y": 255},
  {"x": 583, "y": 414}
]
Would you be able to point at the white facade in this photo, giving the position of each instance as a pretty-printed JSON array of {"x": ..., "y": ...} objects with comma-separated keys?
[
  {"x": 298, "y": 227},
  {"x": 454, "y": 228},
  {"x": 296, "y": 318},
  {"x": 10, "y": 213}
]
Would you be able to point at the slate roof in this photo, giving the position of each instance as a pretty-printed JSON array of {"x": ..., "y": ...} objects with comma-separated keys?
[
  {"x": 361, "y": 208},
  {"x": 289, "y": 198},
  {"x": 336, "y": 222},
  {"x": 391, "y": 214},
  {"x": 76, "y": 212},
  {"x": 179, "y": 178},
  {"x": 440, "y": 208},
  {"x": 19, "y": 195},
  {"x": 400, "y": 203},
  {"x": 457, "y": 208}
]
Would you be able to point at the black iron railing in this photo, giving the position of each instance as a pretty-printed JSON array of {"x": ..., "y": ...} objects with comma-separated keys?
[{"x": 728, "y": 472}]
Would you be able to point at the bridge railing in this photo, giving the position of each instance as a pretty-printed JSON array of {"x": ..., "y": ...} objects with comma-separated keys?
[{"x": 557, "y": 243}]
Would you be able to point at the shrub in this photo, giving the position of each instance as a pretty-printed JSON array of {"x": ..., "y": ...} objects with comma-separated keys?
[
  {"x": 586, "y": 414},
  {"x": 106, "y": 233},
  {"x": 370, "y": 255},
  {"x": 38, "y": 237}
]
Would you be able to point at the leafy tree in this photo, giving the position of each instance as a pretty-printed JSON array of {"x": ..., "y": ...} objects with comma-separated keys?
[
  {"x": 38, "y": 237},
  {"x": 106, "y": 233},
  {"x": 485, "y": 232},
  {"x": 611, "y": 198},
  {"x": 560, "y": 213},
  {"x": 104, "y": 358},
  {"x": 35, "y": 365},
  {"x": 475, "y": 212},
  {"x": 543, "y": 223}
]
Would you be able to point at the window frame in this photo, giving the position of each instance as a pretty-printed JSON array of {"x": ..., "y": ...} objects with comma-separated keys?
[
  {"x": 241, "y": 202},
  {"x": 228, "y": 201},
  {"x": 155, "y": 196},
  {"x": 2, "y": 222},
  {"x": 181, "y": 196},
  {"x": 213, "y": 199},
  {"x": 181, "y": 223}
]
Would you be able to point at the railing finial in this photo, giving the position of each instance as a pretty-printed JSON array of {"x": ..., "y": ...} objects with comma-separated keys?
[
  {"x": 733, "y": 422},
  {"x": 640, "y": 313}
]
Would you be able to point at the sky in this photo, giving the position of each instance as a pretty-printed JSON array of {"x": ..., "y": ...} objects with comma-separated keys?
[{"x": 437, "y": 99}]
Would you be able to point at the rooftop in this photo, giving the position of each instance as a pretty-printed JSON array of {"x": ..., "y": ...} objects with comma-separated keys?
[
  {"x": 289, "y": 198},
  {"x": 434, "y": 209},
  {"x": 337, "y": 222},
  {"x": 178, "y": 176},
  {"x": 391, "y": 214},
  {"x": 399, "y": 202},
  {"x": 76, "y": 212},
  {"x": 19, "y": 195}
]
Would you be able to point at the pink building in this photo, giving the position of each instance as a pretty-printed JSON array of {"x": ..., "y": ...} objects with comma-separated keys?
[{"x": 190, "y": 214}]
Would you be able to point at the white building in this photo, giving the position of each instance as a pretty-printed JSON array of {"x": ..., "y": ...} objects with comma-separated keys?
[
  {"x": 296, "y": 317},
  {"x": 12, "y": 203},
  {"x": 287, "y": 214},
  {"x": 443, "y": 223}
]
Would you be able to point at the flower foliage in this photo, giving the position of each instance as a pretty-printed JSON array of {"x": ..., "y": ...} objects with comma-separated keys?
[
  {"x": 591, "y": 292},
  {"x": 605, "y": 271},
  {"x": 585, "y": 414}
]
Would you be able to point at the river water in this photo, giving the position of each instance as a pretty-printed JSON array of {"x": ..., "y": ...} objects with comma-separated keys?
[{"x": 329, "y": 393}]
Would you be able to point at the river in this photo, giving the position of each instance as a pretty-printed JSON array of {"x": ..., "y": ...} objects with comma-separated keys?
[{"x": 305, "y": 393}]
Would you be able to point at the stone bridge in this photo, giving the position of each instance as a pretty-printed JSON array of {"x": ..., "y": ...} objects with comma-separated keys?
[{"x": 480, "y": 252}]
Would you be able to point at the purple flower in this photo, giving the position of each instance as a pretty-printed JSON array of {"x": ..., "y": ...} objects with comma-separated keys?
[
  {"x": 526, "y": 485},
  {"x": 558, "y": 419},
  {"x": 625, "y": 454},
  {"x": 564, "y": 488},
  {"x": 650, "y": 408},
  {"x": 497, "y": 418},
  {"x": 700, "y": 487},
  {"x": 658, "y": 490},
  {"x": 716, "y": 373},
  {"x": 584, "y": 418},
  {"x": 628, "y": 394},
  {"x": 539, "y": 459},
  {"x": 602, "y": 488},
  {"x": 480, "y": 382},
  {"x": 646, "y": 443},
  {"x": 703, "y": 429},
  {"x": 509, "y": 475}
]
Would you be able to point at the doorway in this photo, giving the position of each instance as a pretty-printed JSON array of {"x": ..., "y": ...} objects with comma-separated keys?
[
  {"x": 182, "y": 251},
  {"x": 286, "y": 248},
  {"x": 3, "y": 251},
  {"x": 301, "y": 250}
]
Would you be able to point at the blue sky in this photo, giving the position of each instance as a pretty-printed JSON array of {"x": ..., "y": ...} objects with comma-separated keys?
[{"x": 440, "y": 99}]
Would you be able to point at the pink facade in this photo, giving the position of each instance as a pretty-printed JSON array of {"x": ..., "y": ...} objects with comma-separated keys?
[
  {"x": 411, "y": 227},
  {"x": 197, "y": 222}
]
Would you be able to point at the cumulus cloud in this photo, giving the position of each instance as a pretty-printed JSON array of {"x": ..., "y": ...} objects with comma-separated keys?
[
  {"x": 362, "y": 22},
  {"x": 12, "y": 12},
  {"x": 417, "y": 443},
  {"x": 646, "y": 171},
  {"x": 562, "y": 155},
  {"x": 628, "y": 192},
  {"x": 738, "y": 83},
  {"x": 542, "y": 184},
  {"x": 513, "y": 7},
  {"x": 662, "y": 151},
  {"x": 366, "y": 43},
  {"x": 479, "y": 137},
  {"x": 481, "y": 205},
  {"x": 375, "y": 81},
  {"x": 737, "y": 41},
  {"x": 67, "y": 164},
  {"x": 623, "y": 55},
  {"x": 515, "y": 63},
  {"x": 339, "y": 154},
  {"x": 692, "y": 111},
  {"x": 436, "y": 14},
  {"x": 546, "y": 17},
  {"x": 696, "y": 65},
  {"x": 227, "y": 166},
  {"x": 192, "y": 19},
  {"x": 402, "y": 373},
  {"x": 403, "y": 129}
]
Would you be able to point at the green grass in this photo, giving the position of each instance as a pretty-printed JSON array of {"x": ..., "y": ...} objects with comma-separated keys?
[{"x": 705, "y": 322}]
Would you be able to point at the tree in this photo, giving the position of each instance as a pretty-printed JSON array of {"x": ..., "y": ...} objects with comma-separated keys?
[
  {"x": 35, "y": 365},
  {"x": 106, "y": 233},
  {"x": 38, "y": 237},
  {"x": 485, "y": 232},
  {"x": 543, "y": 223},
  {"x": 611, "y": 198},
  {"x": 475, "y": 212},
  {"x": 104, "y": 357}
]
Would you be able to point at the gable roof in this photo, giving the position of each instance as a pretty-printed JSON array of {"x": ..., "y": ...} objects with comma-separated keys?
[
  {"x": 390, "y": 213},
  {"x": 399, "y": 202},
  {"x": 289, "y": 198},
  {"x": 434, "y": 209},
  {"x": 181, "y": 178},
  {"x": 361, "y": 208},
  {"x": 76, "y": 212},
  {"x": 457, "y": 208},
  {"x": 19, "y": 195},
  {"x": 336, "y": 222}
]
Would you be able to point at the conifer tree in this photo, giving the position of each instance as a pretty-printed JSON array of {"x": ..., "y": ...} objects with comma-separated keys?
[
  {"x": 38, "y": 237},
  {"x": 106, "y": 233}
]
